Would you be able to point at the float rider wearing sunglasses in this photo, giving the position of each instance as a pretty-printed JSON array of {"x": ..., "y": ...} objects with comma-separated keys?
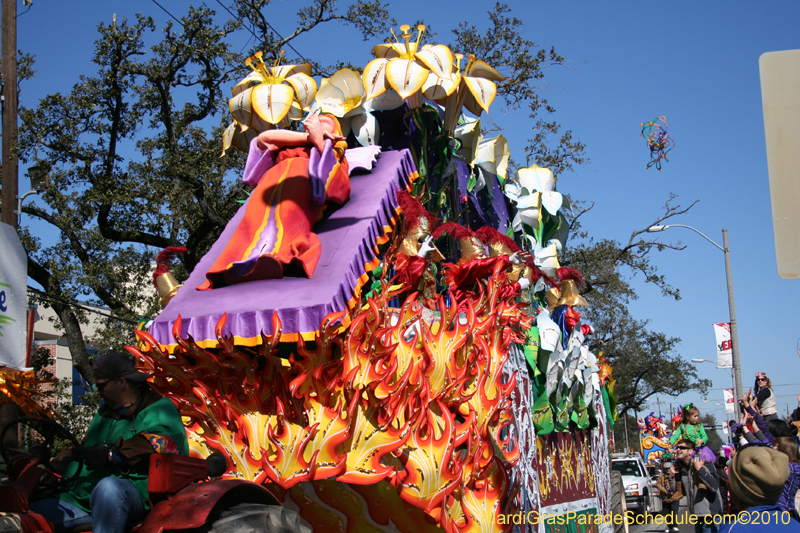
[{"x": 132, "y": 423}]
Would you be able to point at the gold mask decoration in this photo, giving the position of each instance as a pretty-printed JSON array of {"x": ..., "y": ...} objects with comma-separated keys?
[
  {"x": 498, "y": 248},
  {"x": 471, "y": 248},
  {"x": 413, "y": 239}
]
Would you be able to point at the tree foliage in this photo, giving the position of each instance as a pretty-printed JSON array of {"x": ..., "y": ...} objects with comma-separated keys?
[
  {"x": 133, "y": 148},
  {"x": 133, "y": 151},
  {"x": 134, "y": 156},
  {"x": 645, "y": 362}
]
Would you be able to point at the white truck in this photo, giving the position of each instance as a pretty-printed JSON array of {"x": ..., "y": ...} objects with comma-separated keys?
[{"x": 640, "y": 487}]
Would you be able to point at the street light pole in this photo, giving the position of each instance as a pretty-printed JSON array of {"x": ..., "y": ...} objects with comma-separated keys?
[
  {"x": 737, "y": 373},
  {"x": 736, "y": 370}
]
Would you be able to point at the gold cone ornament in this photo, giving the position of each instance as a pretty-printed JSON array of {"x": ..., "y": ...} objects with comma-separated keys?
[
  {"x": 553, "y": 296},
  {"x": 167, "y": 287},
  {"x": 166, "y": 284},
  {"x": 570, "y": 294}
]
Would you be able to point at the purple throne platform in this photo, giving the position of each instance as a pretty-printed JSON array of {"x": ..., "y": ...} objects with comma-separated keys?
[{"x": 349, "y": 237}]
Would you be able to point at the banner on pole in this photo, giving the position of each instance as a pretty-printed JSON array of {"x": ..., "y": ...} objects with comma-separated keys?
[
  {"x": 728, "y": 395},
  {"x": 725, "y": 427},
  {"x": 724, "y": 345},
  {"x": 13, "y": 299}
]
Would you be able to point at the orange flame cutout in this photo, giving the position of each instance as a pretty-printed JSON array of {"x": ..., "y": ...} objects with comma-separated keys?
[{"x": 408, "y": 396}]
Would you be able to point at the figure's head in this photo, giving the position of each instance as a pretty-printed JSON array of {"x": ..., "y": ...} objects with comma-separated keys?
[
  {"x": 500, "y": 244},
  {"x": 330, "y": 124},
  {"x": 418, "y": 225},
  {"x": 762, "y": 381},
  {"x": 469, "y": 244},
  {"x": 757, "y": 475},
  {"x": 117, "y": 380},
  {"x": 684, "y": 449}
]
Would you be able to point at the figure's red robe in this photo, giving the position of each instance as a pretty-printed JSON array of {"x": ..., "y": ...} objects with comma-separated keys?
[{"x": 274, "y": 237}]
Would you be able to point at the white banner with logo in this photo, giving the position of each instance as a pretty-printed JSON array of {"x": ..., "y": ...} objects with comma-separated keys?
[
  {"x": 725, "y": 427},
  {"x": 724, "y": 345},
  {"x": 728, "y": 395},
  {"x": 13, "y": 299}
]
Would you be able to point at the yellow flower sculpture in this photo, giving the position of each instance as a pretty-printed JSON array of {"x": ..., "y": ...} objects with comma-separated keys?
[
  {"x": 405, "y": 67},
  {"x": 476, "y": 90},
  {"x": 268, "y": 96}
]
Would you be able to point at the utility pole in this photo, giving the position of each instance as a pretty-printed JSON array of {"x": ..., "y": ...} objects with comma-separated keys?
[
  {"x": 658, "y": 402},
  {"x": 8, "y": 161},
  {"x": 8, "y": 71}
]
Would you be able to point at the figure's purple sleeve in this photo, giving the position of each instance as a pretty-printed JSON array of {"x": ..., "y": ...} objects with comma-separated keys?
[
  {"x": 319, "y": 171},
  {"x": 258, "y": 162}
]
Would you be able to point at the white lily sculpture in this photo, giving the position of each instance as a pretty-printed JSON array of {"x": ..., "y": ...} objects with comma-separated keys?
[
  {"x": 531, "y": 190},
  {"x": 269, "y": 96},
  {"x": 493, "y": 156},
  {"x": 475, "y": 90},
  {"x": 405, "y": 67},
  {"x": 343, "y": 96},
  {"x": 469, "y": 133}
]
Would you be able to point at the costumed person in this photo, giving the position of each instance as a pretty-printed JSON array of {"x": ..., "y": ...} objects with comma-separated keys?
[
  {"x": 569, "y": 296},
  {"x": 166, "y": 284},
  {"x": 133, "y": 422},
  {"x": 757, "y": 476},
  {"x": 464, "y": 279},
  {"x": 766, "y": 398},
  {"x": 416, "y": 250},
  {"x": 690, "y": 427},
  {"x": 296, "y": 176},
  {"x": 700, "y": 484},
  {"x": 788, "y": 446},
  {"x": 670, "y": 490}
]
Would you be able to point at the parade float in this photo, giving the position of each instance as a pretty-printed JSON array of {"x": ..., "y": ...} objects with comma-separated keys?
[
  {"x": 654, "y": 436},
  {"x": 383, "y": 336}
]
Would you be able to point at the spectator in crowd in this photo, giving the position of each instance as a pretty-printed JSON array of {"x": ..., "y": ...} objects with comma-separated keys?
[
  {"x": 671, "y": 491},
  {"x": 796, "y": 415},
  {"x": 757, "y": 477},
  {"x": 701, "y": 486},
  {"x": 722, "y": 475},
  {"x": 765, "y": 397},
  {"x": 788, "y": 446},
  {"x": 768, "y": 430}
]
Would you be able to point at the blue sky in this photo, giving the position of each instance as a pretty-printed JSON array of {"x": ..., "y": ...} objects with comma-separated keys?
[{"x": 694, "y": 62}]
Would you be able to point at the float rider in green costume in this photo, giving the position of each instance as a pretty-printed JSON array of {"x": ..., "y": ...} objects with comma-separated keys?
[{"x": 132, "y": 423}]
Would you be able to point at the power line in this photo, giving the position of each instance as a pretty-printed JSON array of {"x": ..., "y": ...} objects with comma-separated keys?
[
  {"x": 46, "y": 296},
  {"x": 287, "y": 43},
  {"x": 168, "y": 13}
]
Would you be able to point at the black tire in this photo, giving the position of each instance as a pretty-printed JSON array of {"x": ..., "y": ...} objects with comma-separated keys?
[
  {"x": 618, "y": 506},
  {"x": 248, "y": 517}
]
